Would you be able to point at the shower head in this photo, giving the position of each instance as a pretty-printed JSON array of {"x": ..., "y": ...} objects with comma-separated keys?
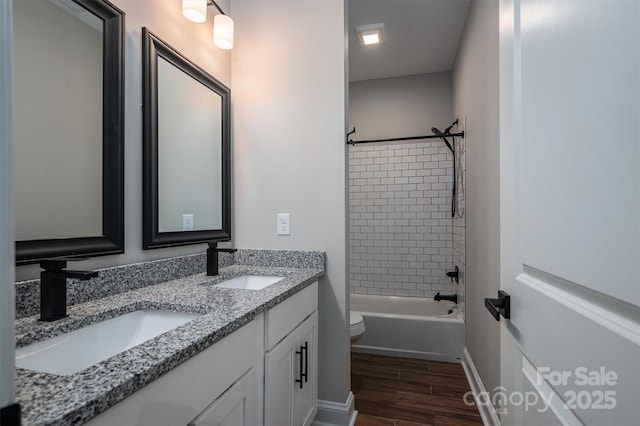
[{"x": 435, "y": 131}]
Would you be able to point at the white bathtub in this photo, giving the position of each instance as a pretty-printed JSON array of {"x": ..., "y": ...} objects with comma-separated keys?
[{"x": 410, "y": 327}]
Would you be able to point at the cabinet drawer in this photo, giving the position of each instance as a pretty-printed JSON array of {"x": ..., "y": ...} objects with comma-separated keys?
[{"x": 283, "y": 318}]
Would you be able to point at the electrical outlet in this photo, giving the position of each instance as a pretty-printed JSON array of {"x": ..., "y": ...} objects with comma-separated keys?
[
  {"x": 187, "y": 222},
  {"x": 284, "y": 224}
]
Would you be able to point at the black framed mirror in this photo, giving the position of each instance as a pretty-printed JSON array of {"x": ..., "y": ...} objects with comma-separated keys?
[
  {"x": 186, "y": 141},
  {"x": 77, "y": 85}
]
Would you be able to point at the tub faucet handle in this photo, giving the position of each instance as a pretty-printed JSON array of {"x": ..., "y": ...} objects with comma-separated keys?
[{"x": 454, "y": 275}]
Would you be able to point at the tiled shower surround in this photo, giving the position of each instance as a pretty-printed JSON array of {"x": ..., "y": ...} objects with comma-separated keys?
[
  {"x": 401, "y": 230},
  {"x": 459, "y": 227}
]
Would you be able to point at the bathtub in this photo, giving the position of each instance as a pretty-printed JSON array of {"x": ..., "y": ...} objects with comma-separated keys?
[{"x": 410, "y": 327}]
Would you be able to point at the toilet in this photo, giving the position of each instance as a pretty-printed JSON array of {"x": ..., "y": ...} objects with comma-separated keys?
[{"x": 356, "y": 328}]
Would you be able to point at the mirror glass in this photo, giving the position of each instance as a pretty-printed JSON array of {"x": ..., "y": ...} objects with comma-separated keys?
[
  {"x": 68, "y": 75},
  {"x": 57, "y": 120},
  {"x": 189, "y": 152},
  {"x": 186, "y": 150}
]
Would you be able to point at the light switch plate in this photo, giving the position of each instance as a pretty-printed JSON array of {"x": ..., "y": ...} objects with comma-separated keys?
[{"x": 187, "y": 222}]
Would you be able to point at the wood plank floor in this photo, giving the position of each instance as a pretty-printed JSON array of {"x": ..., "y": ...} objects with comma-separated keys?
[{"x": 392, "y": 391}]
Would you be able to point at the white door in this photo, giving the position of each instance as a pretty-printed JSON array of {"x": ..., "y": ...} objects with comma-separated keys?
[{"x": 570, "y": 215}]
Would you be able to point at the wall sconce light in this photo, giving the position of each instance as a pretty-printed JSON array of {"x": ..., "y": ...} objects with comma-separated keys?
[
  {"x": 370, "y": 34},
  {"x": 196, "y": 11}
]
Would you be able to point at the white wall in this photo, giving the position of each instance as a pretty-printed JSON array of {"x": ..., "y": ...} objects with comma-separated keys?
[
  {"x": 475, "y": 88},
  {"x": 164, "y": 18},
  {"x": 288, "y": 104},
  {"x": 400, "y": 106}
]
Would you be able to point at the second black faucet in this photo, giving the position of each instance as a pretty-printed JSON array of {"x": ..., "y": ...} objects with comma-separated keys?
[{"x": 212, "y": 257}]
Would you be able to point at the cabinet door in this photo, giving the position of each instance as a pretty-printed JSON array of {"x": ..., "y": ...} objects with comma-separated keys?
[
  {"x": 305, "y": 397},
  {"x": 291, "y": 377},
  {"x": 279, "y": 380},
  {"x": 235, "y": 407}
]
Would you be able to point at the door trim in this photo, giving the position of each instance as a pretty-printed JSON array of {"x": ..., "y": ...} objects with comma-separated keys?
[
  {"x": 616, "y": 316},
  {"x": 7, "y": 271}
]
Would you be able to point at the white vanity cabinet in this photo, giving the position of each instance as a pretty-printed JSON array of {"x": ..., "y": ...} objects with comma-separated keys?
[
  {"x": 222, "y": 385},
  {"x": 264, "y": 373},
  {"x": 291, "y": 353}
]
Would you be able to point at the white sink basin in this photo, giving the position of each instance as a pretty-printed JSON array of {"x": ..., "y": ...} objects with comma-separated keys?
[
  {"x": 250, "y": 282},
  {"x": 72, "y": 352}
]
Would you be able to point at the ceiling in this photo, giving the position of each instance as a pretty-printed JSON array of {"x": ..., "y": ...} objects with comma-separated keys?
[{"x": 420, "y": 36}]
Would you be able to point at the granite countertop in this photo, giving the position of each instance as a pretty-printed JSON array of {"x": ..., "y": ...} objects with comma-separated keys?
[{"x": 70, "y": 400}]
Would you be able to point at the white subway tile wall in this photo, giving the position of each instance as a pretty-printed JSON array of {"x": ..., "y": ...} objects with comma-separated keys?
[
  {"x": 459, "y": 222},
  {"x": 401, "y": 229}
]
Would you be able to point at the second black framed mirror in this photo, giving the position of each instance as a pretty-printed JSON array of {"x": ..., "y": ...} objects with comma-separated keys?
[{"x": 186, "y": 142}]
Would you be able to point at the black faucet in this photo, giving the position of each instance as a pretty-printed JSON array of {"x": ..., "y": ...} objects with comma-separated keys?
[
  {"x": 53, "y": 287},
  {"x": 212, "y": 257},
  {"x": 451, "y": 297}
]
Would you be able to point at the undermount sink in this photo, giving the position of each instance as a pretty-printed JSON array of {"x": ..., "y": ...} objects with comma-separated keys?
[
  {"x": 250, "y": 282},
  {"x": 72, "y": 352}
]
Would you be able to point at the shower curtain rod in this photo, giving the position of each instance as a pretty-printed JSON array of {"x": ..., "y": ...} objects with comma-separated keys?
[{"x": 352, "y": 142}]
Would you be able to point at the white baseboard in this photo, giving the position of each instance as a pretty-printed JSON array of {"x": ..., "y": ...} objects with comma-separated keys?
[
  {"x": 487, "y": 411},
  {"x": 332, "y": 413}
]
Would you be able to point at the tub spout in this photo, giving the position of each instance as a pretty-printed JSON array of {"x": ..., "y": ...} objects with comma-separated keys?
[{"x": 451, "y": 297}]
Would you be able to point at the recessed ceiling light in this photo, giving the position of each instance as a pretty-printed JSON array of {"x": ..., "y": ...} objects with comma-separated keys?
[{"x": 370, "y": 34}]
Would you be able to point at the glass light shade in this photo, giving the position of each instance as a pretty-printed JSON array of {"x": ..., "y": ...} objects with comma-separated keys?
[
  {"x": 223, "y": 32},
  {"x": 195, "y": 10}
]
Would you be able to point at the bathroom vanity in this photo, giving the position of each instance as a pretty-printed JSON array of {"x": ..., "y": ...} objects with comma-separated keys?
[{"x": 248, "y": 358}]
